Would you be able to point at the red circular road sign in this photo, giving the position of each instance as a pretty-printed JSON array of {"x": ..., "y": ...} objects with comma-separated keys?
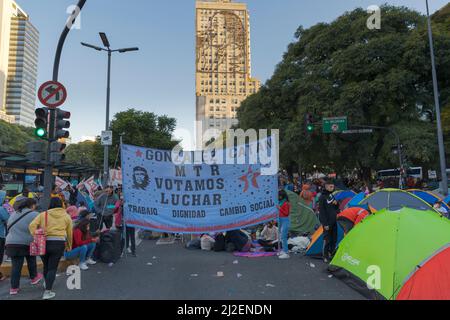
[{"x": 52, "y": 94}]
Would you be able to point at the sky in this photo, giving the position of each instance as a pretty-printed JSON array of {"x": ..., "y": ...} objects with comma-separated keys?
[{"x": 160, "y": 78}]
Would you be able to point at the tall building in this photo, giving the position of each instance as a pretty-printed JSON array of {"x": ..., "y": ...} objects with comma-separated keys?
[
  {"x": 19, "y": 42},
  {"x": 223, "y": 65}
]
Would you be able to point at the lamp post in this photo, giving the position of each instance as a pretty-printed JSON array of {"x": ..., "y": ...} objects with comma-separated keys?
[
  {"x": 444, "y": 182},
  {"x": 107, "y": 48}
]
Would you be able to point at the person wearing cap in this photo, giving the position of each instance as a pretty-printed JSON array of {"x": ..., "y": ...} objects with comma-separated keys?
[{"x": 328, "y": 211}]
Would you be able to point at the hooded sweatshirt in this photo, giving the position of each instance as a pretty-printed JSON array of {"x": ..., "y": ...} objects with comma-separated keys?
[
  {"x": 4, "y": 215},
  {"x": 59, "y": 226}
]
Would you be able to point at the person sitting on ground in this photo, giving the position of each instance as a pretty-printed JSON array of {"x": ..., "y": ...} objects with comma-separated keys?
[
  {"x": 442, "y": 210},
  {"x": 207, "y": 242},
  {"x": 18, "y": 244},
  {"x": 239, "y": 241},
  {"x": 83, "y": 245},
  {"x": 350, "y": 217},
  {"x": 269, "y": 237}
]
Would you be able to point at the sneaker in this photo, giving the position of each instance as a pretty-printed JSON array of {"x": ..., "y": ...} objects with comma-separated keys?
[
  {"x": 91, "y": 262},
  {"x": 37, "y": 279},
  {"x": 284, "y": 256},
  {"x": 133, "y": 254},
  {"x": 128, "y": 250},
  {"x": 84, "y": 267},
  {"x": 326, "y": 260},
  {"x": 48, "y": 295},
  {"x": 13, "y": 292}
]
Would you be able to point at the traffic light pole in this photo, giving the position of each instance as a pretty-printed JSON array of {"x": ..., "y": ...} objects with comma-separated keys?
[{"x": 48, "y": 173}]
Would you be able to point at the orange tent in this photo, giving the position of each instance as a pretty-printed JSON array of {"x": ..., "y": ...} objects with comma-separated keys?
[{"x": 431, "y": 280}]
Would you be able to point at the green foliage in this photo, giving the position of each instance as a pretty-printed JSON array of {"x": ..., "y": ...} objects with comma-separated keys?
[
  {"x": 375, "y": 77},
  {"x": 13, "y": 138},
  {"x": 139, "y": 128}
]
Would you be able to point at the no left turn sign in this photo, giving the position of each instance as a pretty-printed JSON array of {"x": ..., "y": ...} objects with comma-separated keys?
[{"x": 52, "y": 94}]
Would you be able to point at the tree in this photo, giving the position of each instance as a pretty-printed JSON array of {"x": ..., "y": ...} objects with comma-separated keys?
[
  {"x": 86, "y": 153},
  {"x": 139, "y": 128},
  {"x": 13, "y": 138},
  {"x": 375, "y": 77}
]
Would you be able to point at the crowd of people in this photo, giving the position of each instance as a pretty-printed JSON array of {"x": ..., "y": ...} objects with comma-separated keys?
[{"x": 71, "y": 228}]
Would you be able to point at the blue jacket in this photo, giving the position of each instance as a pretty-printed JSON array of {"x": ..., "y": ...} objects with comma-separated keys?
[{"x": 4, "y": 216}]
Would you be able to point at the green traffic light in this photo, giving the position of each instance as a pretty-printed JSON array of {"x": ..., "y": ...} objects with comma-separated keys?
[
  {"x": 40, "y": 132},
  {"x": 310, "y": 128}
]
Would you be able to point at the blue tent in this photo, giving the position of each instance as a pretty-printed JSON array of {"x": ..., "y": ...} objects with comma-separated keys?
[
  {"x": 356, "y": 200},
  {"x": 429, "y": 197},
  {"x": 315, "y": 248},
  {"x": 341, "y": 195},
  {"x": 447, "y": 200}
]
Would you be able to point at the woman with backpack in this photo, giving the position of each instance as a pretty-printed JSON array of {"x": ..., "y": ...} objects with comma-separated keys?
[
  {"x": 18, "y": 244},
  {"x": 57, "y": 226}
]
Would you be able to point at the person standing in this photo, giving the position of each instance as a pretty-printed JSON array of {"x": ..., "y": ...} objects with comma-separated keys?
[
  {"x": 18, "y": 244},
  {"x": 57, "y": 226},
  {"x": 307, "y": 196},
  {"x": 328, "y": 211},
  {"x": 4, "y": 216},
  {"x": 104, "y": 207},
  {"x": 285, "y": 222},
  {"x": 130, "y": 232}
]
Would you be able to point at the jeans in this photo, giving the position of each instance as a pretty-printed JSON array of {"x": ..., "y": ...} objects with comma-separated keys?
[
  {"x": 84, "y": 252},
  {"x": 285, "y": 225},
  {"x": 54, "y": 252}
]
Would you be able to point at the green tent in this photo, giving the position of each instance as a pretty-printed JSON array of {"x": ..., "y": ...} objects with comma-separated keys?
[
  {"x": 396, "y": 242},
  {"x": 303, "y": 218}
]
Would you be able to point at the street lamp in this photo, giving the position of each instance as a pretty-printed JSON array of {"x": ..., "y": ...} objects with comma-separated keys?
[
  {"x": 444, "y": 183},
  {"x": 108, "y": 49}
]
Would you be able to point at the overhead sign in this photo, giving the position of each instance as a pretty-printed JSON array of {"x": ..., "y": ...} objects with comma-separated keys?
[
  {"x": 335, "y": 125},
  {"x": 52, "y": 94},
  {"x": 107, "y": 138},
  {"x": 359, "y": 131},
  {"x": 194, "y": 199}
]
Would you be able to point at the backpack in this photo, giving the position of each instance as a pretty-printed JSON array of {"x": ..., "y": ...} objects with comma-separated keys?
[{"x": 219, "y": 245}]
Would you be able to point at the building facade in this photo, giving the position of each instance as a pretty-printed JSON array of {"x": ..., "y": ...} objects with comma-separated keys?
[
  {"x": 223, "y": 65},
  {"x": 19, "y": 43}
]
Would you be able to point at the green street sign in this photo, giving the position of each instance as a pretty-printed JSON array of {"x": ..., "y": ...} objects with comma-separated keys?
[{"x": 335, "y": 125}]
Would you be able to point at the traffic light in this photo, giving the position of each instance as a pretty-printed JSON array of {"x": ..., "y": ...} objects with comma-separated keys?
[
  {"x": 36, "y": 151},
  {"x": 41, "y": 123},
  {"x": 309, "y": 123},
  {"x": 62, "y": 123},
  {"x": 56, "y": 152}
]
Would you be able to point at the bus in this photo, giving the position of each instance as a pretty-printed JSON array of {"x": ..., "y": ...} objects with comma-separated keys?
[{"x": 414, "y": 172}]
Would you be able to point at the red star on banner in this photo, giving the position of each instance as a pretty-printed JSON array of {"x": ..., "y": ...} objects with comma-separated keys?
[
  {"x": 254, "y": 178},
  {"x": 139, "y": 154}
]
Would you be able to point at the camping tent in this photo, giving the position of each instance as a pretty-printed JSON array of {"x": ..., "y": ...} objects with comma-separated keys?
[
  {"x": 431, "y": 279},
  {"x": 447, "y": 200},
  {"x": 303, "y": 218},
  {"x": 429, "y": 197},
  {"x": 356, "y": 200},
  {"x": 315, "y": 248},
  {"x": 344, "y": 197},
  {"x": 394, "y": 199},
  {"x": 387, "y": 247}
]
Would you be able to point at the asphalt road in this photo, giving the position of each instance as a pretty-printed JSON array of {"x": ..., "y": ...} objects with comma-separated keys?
[{"x": 167, "y": 272}]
